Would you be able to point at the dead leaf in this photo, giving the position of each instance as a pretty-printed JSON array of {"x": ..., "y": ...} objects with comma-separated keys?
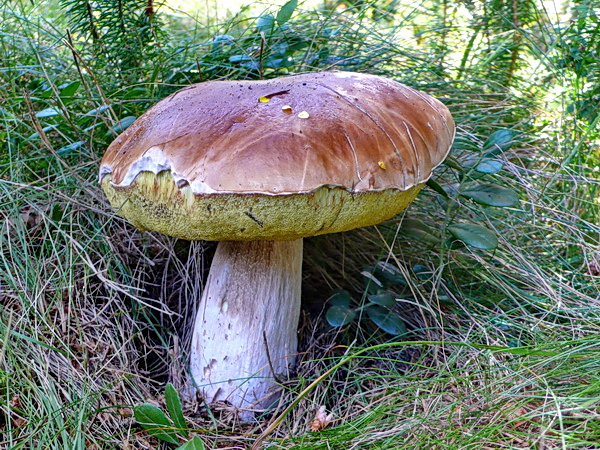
[
  {"x": 321, "y": 420},
  {"x": 594, "y": 268},
  {"x": 15, "y": 402},
  {"x": 18, "y": 422}
]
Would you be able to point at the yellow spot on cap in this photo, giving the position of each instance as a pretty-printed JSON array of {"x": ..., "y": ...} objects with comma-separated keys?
[
  {"x": 286, "y": 109},
  {"x": 264, "y": 99},
  {"x": 304, "y": 115},
  {"x": 381, "y": 164}
]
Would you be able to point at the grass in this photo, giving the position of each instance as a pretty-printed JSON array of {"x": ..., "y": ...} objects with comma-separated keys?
[{"x": 502, "y": 350}]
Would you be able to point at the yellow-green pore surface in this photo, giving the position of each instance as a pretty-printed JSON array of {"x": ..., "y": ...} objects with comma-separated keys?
[{"x": 154, "y": 202}]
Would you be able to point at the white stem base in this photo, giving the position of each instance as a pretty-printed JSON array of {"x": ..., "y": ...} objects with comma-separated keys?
[{"x": 246, "y": 328}]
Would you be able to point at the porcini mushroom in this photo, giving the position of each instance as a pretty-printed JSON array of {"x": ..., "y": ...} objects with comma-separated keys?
[{"x": 259, "y": 165}]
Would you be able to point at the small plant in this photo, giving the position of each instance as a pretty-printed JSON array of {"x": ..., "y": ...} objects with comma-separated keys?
[
  {"x": 169, "y": 428},
  {"x": 125, "y": 36},
  {"x": 267, "y": 49},
  {"x": 381, "y": 281},
  {"x": 471, "y": 171}
]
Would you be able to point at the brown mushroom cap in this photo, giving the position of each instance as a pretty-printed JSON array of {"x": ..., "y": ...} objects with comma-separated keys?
[{"x": 277, "y": 159}]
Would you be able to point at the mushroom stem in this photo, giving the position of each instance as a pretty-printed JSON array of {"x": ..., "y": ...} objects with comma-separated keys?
[{"x": 245, "y": 334}]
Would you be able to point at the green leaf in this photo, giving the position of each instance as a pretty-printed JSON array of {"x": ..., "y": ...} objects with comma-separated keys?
[
  {"x": 68, "y": 149},
  {"x": 338, "y": 316},
  {"x": 155, "y": 422},
  {"x": 278, "y": 63},
  {"x": 418, "y": 230},
  {"x": 193, "y": 444},
  {"x": 453, "y": 163},
  {"x": 48, "y": 112},
  {"x": 437, "y": 188},
  {"x": 224, "y": 39},
  {"x": 174, "y": 407},
  {"x": 57, "y": 212},
  {"x": 46, "y": 93},
  {"x": 265, "y": 23},
  {"x": 93, "y": 113},
  {"x": 239, "y": 58},
  {"x": 386, "y": 320},
  {"x": 67, "y": 90},
  {"x": 491, "y": 195},
  {"x": 383, "y": 298},
  {"x": 474, "y": 235},
  {"x": 489, "y": 166},
  {"x": 499, "y": 141},
  {"x": 340, "y": 298},
  {"x": 135, "y": 93},
  {"x": 389, "y": 273},
  {"x": 122, "y": 124},
  {"x": 464, "y": 143},
  {"x": 47, "y": 129},
  {"x": 422, "y": 272},
  {"x": 285, "y": 13}
]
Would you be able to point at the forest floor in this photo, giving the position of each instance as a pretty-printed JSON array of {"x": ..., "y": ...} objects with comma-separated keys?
[{"x": 502, "y": 324}]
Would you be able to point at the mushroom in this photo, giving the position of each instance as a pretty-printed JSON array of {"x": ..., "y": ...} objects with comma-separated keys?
[{"x": 259, "y": 165}]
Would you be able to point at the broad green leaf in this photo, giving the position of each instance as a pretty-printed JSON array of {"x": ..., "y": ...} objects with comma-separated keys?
[
  {"x": 223, "y": 39},
  {"x": 47, "y": 129},
  {"x": 388, "y": 321},
  {"x": 489, "y": 166},
  {"x": 174, "y": 407},
  {"x": 418, "y": 230},
  {"x": 453, "y": 163},
  {"x": 265, "y": 23},
  {"x": 437, "y": 188},
  {"x": 390, "y": 273},
  {"x": 445, "y": 299},
  {"x": 278, "y": 63},
  {"x": 155, "y": 422},
  {"x": 281, "y": 48},
  {"x": 491, "y": 195},
  {"x": 57, "y": 212},
  {"x": 94, "y": 112},
  {"x": 464, "y": 143},
  {"x": 285, "y": 12},
  {"x": 239, "y": 58},
  {"x": 383, "y": 298},
  {"x": 69, "y": 148},
  {"x": 422, "y": 272},
  {"x": 46, "y": 93},
  {"x": 338, "y": 316},
  {"x": 193, "y": 444},
  {"x": 499, "y": 141},
  {"x": 123, "y": 124},
  {"x": 48, "y": 112},
  {"x": 67, "y": 90},
  {"x": 474, "y": 235},
  {"x": 296, "y": 45},
  {"x": 340, "y": 298},
  {"x": 135, "y": 92}
]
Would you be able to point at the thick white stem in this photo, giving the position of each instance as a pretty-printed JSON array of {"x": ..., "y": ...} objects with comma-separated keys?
[{"x": 246, "y": 327}]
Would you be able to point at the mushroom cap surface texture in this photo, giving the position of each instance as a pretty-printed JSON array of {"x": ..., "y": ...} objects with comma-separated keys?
[{"x": 279, "y": 159}]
